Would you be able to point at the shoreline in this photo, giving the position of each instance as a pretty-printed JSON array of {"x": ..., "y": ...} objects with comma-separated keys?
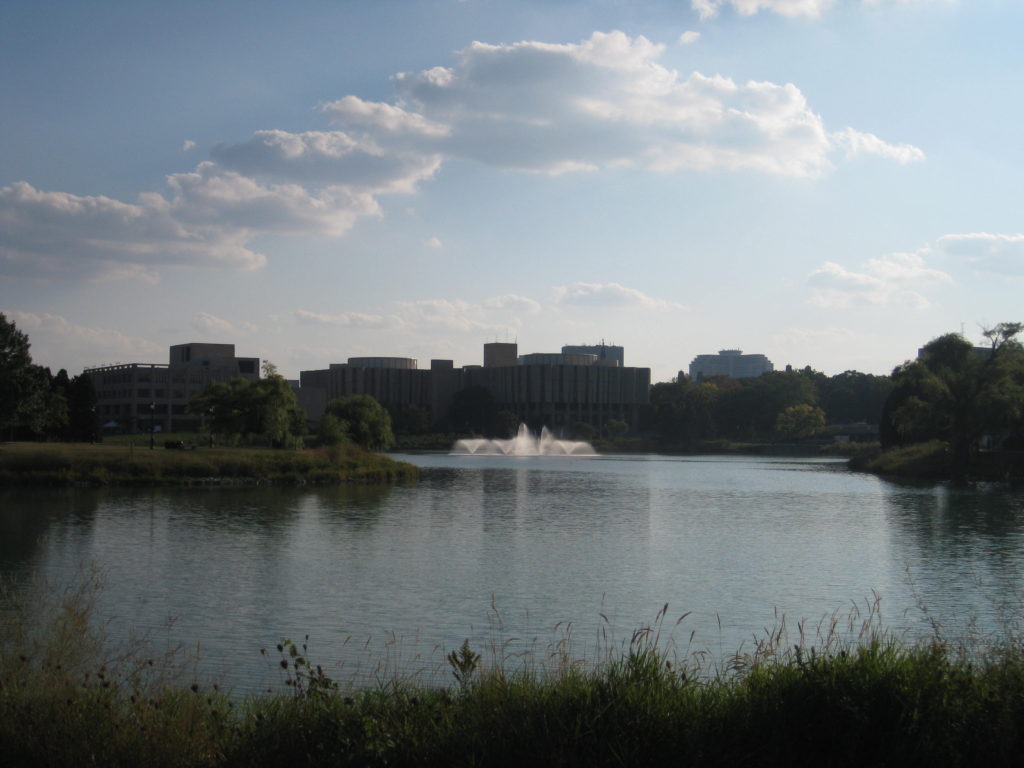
[{"x": 70, "y": 465}]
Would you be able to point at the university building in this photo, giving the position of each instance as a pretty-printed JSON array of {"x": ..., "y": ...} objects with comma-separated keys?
[
  {"x": 543, "y": 389},
  {"x": 154, "y": 397}
]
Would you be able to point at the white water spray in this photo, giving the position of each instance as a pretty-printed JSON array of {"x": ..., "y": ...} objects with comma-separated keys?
[{"x": 525, "y": 443}]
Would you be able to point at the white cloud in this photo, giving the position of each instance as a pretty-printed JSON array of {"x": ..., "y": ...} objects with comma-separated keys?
[
  {"x": 886, "y": 281},
  {"x": 328, "y": 157},
  {"x": 1002, "y": 254},
  {"x": 211, "y": 325},
  {"x": 59, "y": 234},
  {"x": 188, "y": 145},
  {"x": 707, "y": 9},
  {"x": 689, "y": 37},
  {"x": 858, "y": 143},
  {"x": 510, "y": 302},
  {"x": 608, "y": 296},
  {"x": 450, "y": 315},
  {"x": 350, "y": 320},
  {"x": 58, "y": 341},
  {"x": 434, "y": 243},
  {"x": 603, "y": 103}
]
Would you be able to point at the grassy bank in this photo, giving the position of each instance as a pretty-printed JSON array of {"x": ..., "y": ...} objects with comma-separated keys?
[
  {"x": 934, "y": 461},
  {"x": 68, "y": 699},
  {"x": 63, "y": 464}
]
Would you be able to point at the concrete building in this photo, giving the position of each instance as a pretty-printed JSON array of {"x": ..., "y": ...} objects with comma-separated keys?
[
  {"x": 144, "y": 397},
  {"x": 730, "y": 362},
  {"x": 607, "y": 354},
  {"x": 543, "y": 389}
]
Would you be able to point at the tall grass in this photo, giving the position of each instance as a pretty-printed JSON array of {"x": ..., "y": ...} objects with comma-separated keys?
[
  {"x": 87, "y": 464},
  {"x": 843, "y": 692}
]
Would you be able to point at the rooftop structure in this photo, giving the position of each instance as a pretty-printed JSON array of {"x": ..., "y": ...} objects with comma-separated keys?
[{"x": 732, "y": 363}]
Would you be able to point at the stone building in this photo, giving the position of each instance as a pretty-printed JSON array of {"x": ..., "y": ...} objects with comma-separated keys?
[{"x": 154, "y": 397}]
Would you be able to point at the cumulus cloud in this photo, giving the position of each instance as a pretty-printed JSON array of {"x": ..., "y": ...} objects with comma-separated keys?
[
  {"x": 350, "y": 320},
  {"x": 55, "y": 338},
  {"x": 707, "y": 9},
  {"x": 609, "y": 296},
  {"x": 510, "y": 302},
  {"x": 858, "y": 143},
  {"x": 188, "y": 145},
  {"x": 1002, "y": 254},
  {"x": 212, "y": 325},
  {"x": 889, "y": 280},
  {"x": 57, "y": 233},
  {"x": 689, "y": 37},
  {"x": 434, "y": 243},
  {"x": 328, "y": 157},
  {"x": 607, "y": 102}
]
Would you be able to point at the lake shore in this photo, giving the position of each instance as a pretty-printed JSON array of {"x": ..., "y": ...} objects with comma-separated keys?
[
  {"x": 98, "y": 464},
  {"x": 66, "y": 698}
]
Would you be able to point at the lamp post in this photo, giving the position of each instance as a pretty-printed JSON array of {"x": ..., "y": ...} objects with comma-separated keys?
[
  {"x": 152, "y": 425},
  {"x": 209, "y": 411}
]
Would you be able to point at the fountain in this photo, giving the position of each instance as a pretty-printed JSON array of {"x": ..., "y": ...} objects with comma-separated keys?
[{"x": 525, "y": 443}]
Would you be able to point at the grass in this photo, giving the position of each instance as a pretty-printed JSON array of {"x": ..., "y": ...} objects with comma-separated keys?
[
  {"x": 63, "y": 464},
  {"x": 845, "y": 694},
  {"x": 934, "y": 461}
]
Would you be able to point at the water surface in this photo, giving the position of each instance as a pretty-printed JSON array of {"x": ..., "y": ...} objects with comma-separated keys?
[{"x": 517, "y": 553}]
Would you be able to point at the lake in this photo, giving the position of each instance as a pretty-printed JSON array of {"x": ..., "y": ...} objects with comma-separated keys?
[{"x": 520, "y": 555}]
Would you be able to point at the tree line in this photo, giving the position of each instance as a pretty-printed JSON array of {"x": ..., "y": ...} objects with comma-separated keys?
[
  {"x": 35, "y": 404},
  {"x": 788, "y": 404}
]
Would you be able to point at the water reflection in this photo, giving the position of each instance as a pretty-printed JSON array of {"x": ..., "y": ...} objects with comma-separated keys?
[{"x": 503, "y": 551}]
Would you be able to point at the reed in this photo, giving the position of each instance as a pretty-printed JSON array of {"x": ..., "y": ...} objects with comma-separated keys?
[{"x": 841, "y": 692}]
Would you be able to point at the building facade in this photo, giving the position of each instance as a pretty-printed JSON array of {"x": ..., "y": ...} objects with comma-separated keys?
[
  {"x": 154, "y": 397},
  {"x": 544, "y": 389},
  {"x": 730, "y": 362}
]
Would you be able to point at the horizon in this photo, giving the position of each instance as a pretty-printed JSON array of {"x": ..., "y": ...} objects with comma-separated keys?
[{"x": 830, "y": 183}]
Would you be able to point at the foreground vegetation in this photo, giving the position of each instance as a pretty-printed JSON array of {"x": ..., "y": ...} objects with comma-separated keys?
[
  {"x": 68, "y": 698},
  {"x": 63, "y": 464},
  {"x": 935, "y": 460}
]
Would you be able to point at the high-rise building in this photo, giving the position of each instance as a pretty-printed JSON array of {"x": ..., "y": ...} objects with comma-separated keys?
[{"x": 730, "y": 362}]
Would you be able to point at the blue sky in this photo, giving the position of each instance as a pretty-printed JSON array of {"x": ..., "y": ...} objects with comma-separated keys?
[{"x": 828, "y": 182}]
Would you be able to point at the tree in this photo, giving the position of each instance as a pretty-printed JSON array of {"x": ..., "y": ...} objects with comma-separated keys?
[
  {"x": 16, "y": 376},
  {"x": 368, "y": 422},
  {"x": 800, "y": 421},
  {"x": 616, "y": 428},
  {"x": 244, "y": 410},
  {"x": 957, "y": 393}
]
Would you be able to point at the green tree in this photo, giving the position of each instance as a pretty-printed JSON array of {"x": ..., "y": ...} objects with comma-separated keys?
[
  {"x": 750, "y": 410},
  {"x": 616, "y": 428},
  {"x": 800, "y": 421},
  {"x": 16, "y": 376},
  {"x": 852, "y": 396},
  {"x": 368, "y": 422},
  {"x": 957, "y": 393},
  {"x": 332, "y": 430},
  {"x": 240, "y": 409},
  {"x": 682, "y": 412}
]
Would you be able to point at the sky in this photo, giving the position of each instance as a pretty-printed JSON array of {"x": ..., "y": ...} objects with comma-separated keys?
[{"x": 830, "y": 183}]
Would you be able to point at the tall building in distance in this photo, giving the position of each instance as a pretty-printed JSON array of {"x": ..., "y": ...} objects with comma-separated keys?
[
  {"x": 607, "y": 354},
  {"x": 730, "y": 362}
]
